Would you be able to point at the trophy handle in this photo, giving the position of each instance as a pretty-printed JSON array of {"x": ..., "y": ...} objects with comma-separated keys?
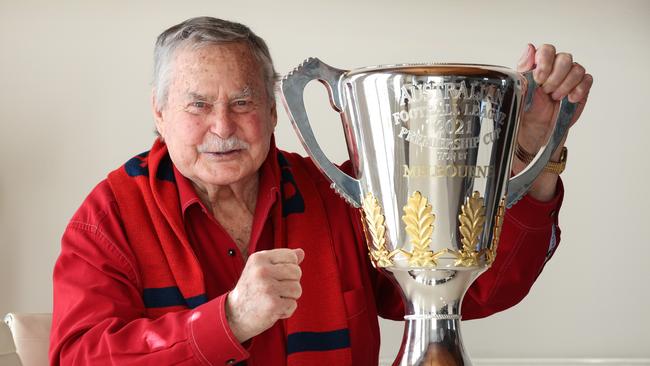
[
  {"x": 520, "y": 183},
  {"x": 292, "y": 87}
]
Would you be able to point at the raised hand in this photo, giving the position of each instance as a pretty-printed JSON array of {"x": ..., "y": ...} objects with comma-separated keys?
[
  {"x": 558, "y": 76},
  {"x": 267, "y": 291}
]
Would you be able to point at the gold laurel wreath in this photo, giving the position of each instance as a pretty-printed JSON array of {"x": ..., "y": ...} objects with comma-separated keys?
[
  {"x": 418, "y": 218},
  {"x": 375, "y": 226},
  {"x": 496, "y": 233},
  {"x": 472, "y": 218}
]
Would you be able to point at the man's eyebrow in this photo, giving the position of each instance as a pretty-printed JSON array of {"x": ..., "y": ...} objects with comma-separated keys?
[
  {"x": 244, "y": 93},
  {"x": 196, "y": 96}
]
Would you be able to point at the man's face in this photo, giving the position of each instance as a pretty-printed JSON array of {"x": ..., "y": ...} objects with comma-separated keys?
[{"x": 218, "y": 120}]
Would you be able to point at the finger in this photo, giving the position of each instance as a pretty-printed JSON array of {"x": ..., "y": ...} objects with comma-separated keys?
[
  {"x": 527, "y": 60},
  {"x": 290, "y": 290},
  {"x": 582, "y": 102},
  {"x": 300, "y": 254},
  {"x": 285, "y": 271},
  {"x": 281, "y": 255},
  {"x": 580, "y": 92},
  {"x": 288, "y": 307},
  {"x": 272, "y": 291},
  {"x": 561, "y": 66},
  {"x": 544, "y": 58},
  {"x": 572, "y": 80}
]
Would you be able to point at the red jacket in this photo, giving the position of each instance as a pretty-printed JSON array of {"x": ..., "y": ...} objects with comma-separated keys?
[{"x": 98, "y": 294}]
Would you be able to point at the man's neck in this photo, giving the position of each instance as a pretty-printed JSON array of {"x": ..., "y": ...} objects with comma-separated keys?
[
  {"x": 242, "y": 194},
  {"x": 233, "y": 206}
]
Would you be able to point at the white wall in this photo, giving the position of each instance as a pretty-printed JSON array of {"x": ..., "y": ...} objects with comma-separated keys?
[{"x": 74, "y": 104}]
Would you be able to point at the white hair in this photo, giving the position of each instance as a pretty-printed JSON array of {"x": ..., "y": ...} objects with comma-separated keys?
[{"x": 197, "y": 32}]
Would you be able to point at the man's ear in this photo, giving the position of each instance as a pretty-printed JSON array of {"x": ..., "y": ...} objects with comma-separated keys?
[
  {"x": 274, "y": 114},
  {"x": 157, "y": 113}
]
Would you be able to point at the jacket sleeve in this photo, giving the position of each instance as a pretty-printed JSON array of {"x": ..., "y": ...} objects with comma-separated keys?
[
  {"x": 99, "y": 316},
  {"x": 529, "y": 237}
]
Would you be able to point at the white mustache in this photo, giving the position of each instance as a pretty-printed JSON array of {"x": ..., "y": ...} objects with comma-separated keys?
[{"x": 219, "y": 145}]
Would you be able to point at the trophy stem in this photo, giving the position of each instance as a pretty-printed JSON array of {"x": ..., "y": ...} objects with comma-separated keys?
[
  {"x": 432, "y": 342},
  {"x": 432, "y": 300}
]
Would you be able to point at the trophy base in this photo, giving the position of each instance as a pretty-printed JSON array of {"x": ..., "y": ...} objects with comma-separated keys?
[
  {"x": 432, "y": 299},
  {"x": 432, "y": 342}
]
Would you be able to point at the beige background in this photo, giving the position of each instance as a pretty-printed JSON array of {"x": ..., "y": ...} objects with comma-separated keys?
[{"x": 74, "y": 104}]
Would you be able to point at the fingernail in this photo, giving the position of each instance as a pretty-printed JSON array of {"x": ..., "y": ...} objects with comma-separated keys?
[
  {"x": 571, "y": 98},
  {"x": 556, "y": 96}
]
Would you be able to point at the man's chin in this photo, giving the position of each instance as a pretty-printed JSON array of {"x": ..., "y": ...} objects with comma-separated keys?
[{"x": 227, "y": 173}]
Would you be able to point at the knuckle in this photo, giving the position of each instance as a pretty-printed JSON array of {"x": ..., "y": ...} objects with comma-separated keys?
[
  {"x": 254, "y": 259},
  {"x": 549, "y": 86},
  {"x": 575, "y": 96},
  {"x": 547, "y": 47},
  {"x": 294, "y": 257},
  {"x": 291, "y": 271},
  {"x": 293, "y": 305},
  {"x": 579, "y": 69},
  {"x": 551, "y": 83},
  {"x": 259, "y": 271},
  {"x": 562, "y": 90},
  {"x": 563, "y": 64},
  {"x": 579, "y": 92},
  {"x": 543, "y": 69},
  {"x": 564, "y": 58},
  {"x": 283, "y": 271}
]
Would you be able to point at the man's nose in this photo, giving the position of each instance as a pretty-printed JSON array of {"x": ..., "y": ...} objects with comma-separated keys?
[{"x": 221, "y": 122}]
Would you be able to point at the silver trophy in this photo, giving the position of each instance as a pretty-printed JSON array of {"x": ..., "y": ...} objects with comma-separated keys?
[{"x": 431, "y": 146}]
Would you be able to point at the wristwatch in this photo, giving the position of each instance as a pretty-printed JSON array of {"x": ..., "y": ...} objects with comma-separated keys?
[{"x": 556, "y": 167}]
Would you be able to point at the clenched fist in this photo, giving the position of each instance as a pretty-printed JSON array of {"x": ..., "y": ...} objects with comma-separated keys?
[
  {"x": 267, "y": 291},
  {"x": 559, "y": 76}
]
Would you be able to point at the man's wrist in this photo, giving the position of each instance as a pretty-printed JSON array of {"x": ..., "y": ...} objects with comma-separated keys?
[
  {"x": 543, "y": 188},
  {"x": 555, "y": 165},
  {"x": 213, "y": 340},
  {"x": 232, "y": 320}
]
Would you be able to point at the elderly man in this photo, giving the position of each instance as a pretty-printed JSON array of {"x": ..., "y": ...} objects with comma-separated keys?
[{"x": 216, "y": 248}]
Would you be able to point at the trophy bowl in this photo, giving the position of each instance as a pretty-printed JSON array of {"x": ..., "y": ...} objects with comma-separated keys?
[{"x": 431, "y": 146}]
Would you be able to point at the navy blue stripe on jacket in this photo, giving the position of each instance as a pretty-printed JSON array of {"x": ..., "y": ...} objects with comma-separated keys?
[
  {"x": 318, "y": 341},
  {"x": 170, "y": 296}
]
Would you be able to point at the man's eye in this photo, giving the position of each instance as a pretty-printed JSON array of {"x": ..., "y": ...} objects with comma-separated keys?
[
  {"x": 198, "y": 107},
  {"x": 242, "y": 105}
]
